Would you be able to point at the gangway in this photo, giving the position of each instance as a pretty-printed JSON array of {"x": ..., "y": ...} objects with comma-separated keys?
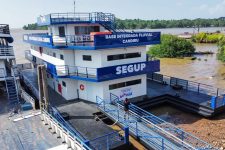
[{"x": 150, "y": 129}]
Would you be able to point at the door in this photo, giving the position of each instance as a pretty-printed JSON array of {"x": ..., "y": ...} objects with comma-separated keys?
[{"x": 62, "y": 32}]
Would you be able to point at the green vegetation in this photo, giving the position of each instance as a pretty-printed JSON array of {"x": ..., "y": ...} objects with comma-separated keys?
[
  {"x": 171, "y": 47},
  {"x": 221, "y": 45},
  {"x": 207, "y": 37},
  {"x": 34, "y": 27},
  {"x": 156, "y": 24}
]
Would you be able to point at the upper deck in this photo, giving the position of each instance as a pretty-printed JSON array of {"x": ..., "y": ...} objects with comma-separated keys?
[
  {"x": 94, "y": 42},
  {"x": 5, "y": 32},
  {"x": 76, "y": 18}
]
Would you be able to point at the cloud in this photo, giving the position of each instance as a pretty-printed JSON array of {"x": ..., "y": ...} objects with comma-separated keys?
[{"x": 217, "y": 9}]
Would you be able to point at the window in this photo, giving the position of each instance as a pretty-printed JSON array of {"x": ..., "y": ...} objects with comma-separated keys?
[
  {"x": 64, "y": 83},
  {"x": 134, "y": 82},
  {"x": 61, "y": 57},
  {"x": 62, "y": 31},
  {"x": 123, "y": 56},
  {"x": 54, "y": 54},
  {"x": 124, "y": 84},
  {"x": 87, "y": 57}
]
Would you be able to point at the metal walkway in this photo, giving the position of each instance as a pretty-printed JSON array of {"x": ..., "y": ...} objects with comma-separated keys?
[{"x": 150, "y": 129}]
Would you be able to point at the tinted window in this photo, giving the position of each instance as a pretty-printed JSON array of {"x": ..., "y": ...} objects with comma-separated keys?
[
  {"x": 61, "y": 57},
  {"x": 54, "y": 54},
  {"x": 124, "y": 84},
  {"x": 123, "y": 56},
  {"x": 87, "y": 57},
  {"x": 64, "y": 83}
]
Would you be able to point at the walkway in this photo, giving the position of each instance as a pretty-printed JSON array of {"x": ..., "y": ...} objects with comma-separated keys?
[{"x": 151, "y": 130}]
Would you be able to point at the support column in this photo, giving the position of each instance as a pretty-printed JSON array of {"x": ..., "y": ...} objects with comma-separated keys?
[{"x": 126, "y": 135}]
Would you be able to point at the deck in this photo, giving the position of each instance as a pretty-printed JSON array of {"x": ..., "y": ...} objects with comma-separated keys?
[
  {"x": 155, "y": 89},
  {"x": 25, "y": 134}
]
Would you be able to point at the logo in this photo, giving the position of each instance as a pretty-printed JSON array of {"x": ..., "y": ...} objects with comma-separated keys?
[
  {"x": 81, "y": 87},
  {"x": 130, "y": 68},
  {"x": 126, "y": 93}
]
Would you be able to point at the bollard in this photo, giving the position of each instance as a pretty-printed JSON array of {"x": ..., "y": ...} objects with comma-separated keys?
[
  {"x": 213, "y": 102},
  {"x": 126, "y": 133}
]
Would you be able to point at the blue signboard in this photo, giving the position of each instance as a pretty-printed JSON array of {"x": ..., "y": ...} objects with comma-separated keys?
[
  {"x": 44, "y": 20},
  {"x": 127, "y": 70},
  {"x": 39, "y": 39},
  {"x": 127, "y": 39}
]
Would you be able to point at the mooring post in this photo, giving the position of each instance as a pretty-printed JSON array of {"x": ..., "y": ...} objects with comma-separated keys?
[
  {"x": 213, "y": 102},
  {"x": 126, "y": 133}
]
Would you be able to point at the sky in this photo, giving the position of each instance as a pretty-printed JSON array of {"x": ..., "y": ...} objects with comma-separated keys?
[{"x": 17, "y": 13}]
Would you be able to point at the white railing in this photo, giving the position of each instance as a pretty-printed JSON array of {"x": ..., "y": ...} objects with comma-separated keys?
[
  {"x": 27, "y": 98},
  {"x": 28, "y": 55},
  {"x": 2, "y": 73},
  {"x": 6, "y": 51}
]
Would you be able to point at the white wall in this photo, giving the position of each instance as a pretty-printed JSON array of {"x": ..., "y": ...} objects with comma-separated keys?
[
  {"x": 96, "y": 58},
  {"x": 136, "y": 90},
  {"x": 69, "y": 92},
  {"x": 47, "y": 55},
  {"x": 99, "y": 57}
]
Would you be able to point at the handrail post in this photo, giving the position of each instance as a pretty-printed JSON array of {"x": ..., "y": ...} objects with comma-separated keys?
[
  {"x": 198, "y": 87},
  {"x": 213, "y": 102},
  {"x": 163, "y": 144},
  {"x": 217, "y": 92},
  {"x": 136, "y": 129}
]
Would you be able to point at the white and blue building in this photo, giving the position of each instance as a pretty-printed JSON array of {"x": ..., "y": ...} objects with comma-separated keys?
[{"x": 86, "y": 56}]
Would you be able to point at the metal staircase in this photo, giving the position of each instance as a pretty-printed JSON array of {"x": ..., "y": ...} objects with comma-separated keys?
[
  {"x": 12, "y": 90},
  {"x": 109, "y": 22}
]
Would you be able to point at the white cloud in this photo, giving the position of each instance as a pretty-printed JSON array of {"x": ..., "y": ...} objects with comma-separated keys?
[{"x": 217, "y": 9}]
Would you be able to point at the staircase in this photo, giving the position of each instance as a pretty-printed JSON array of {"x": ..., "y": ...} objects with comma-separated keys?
[
  {"x": 108, "y": 22},
  {"x": 13, "y": 98},
  {"x": 12, "y": 91}
]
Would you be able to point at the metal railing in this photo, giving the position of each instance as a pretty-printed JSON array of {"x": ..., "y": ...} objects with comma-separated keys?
[
  {"x": 107, "y": 142},
  {"x": 4, "y": 29},
  {"x": 28, "y": 55},
  {"x": 67, "y": 131},
  {"x": 143, "y": 124},
  {"x": 76, "y": 17},
  {"x": 6, "y": 51},
  {"x": 76, "y": 71},
  {"x": 187, "y": 85},
  {"x": 55, "y": 113},
  {"x": 72, "y": 40}
]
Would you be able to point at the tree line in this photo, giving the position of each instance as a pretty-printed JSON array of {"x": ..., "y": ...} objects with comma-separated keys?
[{"x": 157, "y": 24}]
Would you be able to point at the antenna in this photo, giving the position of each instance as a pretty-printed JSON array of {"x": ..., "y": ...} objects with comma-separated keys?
[{"x": 74, "y": 3}]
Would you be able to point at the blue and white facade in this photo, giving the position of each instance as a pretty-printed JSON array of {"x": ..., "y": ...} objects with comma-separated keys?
[
  {"x": 7, "y": 57},
  {"x": 86, "y": 56}
]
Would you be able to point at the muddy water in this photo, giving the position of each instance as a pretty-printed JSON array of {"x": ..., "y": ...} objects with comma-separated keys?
[{"x": 205, "y": 69}]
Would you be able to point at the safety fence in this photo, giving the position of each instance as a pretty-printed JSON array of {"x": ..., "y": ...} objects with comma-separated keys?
[
  {"x": 108, "y": 141},
  {"x": 157, "y": 133},
  {"x": 217, "y": 94},
  {"x": 62, "y": 131},
  {"x": 6, "y": 51}
]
